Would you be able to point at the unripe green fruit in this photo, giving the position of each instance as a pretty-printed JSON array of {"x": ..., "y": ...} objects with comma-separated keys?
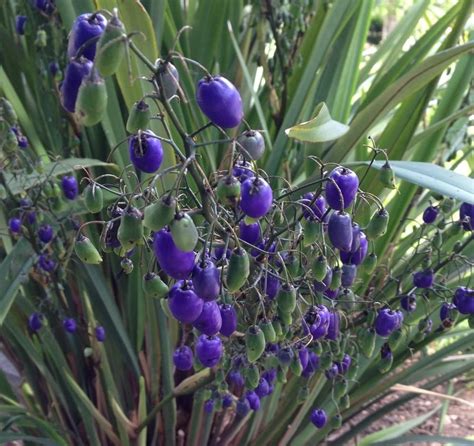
[
  {"x": 319, "y": 268},
  {"x": 303, "y": 394},
  {"x": 363, "y": 213},
  {"x": 345, "y": 401},
  {"x": 184, "y": 232},
  {"x": 281, "y": 376},
  {"x": 110, "y": 48},
  {"x": 347, "y": 299},
  {"x": 366, "y": 341},
  {"x": 447, "y": 205},
  {"x": 228, "y": 190},
  {"x": 437, "y": 240},
  {"x": 325, "y": 360},
  {"x": 86, "y": 250},
  {"x": 296, "y": 366},
  {"x": 10, "y": 144},
  {"x": 311, "y": 231},
  {"x": 378, "y": 224},
  {"x": 268, "y": 331},
  {"x": 159, "y": 214},
  {"x": 277, "y": 327},
  {"x": 336, "y": 278},
  {"x": 153, "y": 286},
  {"x": 395, "y": 339},
  {"x": 93, "y": 198},
  {"x": 293, "y": 266},
  {"x": 287, "y": 320},
  {"x": 139, "y": 117},
  {"x": 130, "y": 232},
  {"x": 238, "y": 271},
  {"x": 286, "y": 299},
  {"x": 8, "y": 112},
  {"x": 353, "y": 371},
  {"x": 91, "y": 99},
  {"x": 335, "y": 422},
  {"x": 127, "y": 265},
  {"x": 252, "y": 376},
  {"x": 254, "y": 343},
  {"x": 385, "y": 364},
  {"x": 369, "y": 263},
  {"x": 387, "y": 176},
  {"x": 340, "y": 388}
]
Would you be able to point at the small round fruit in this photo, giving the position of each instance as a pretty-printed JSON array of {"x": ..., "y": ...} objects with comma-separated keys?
[
  {"x": 228, "y": 190},
  {"x": 251, "y": 144},
  {"x": 91, "y": 99},
  {"x": 153, "y": 286},
  {"x": 342, "y": 187},
  {"x": 93, "y": 198},
  {"x": 100, "y": 333},
  {"x": 254, "y": 343},
  {"x": 466, "y": 216},
  {"x": 139, "y": 117},
  {"x": 430, "y": 214},
  {"x": 45, "y": 233},
  {"x": 111, "y": 47},
  {"x": 184, "y": 232},
  {"x": 220, "y": 101},
  {"x": 340, "y": 230},
  {"x": 464, "y": 300},
  {"x": 423, "y": 279},
  {"x": 319, "y": 418},
  {"x": 387, "y": 321},
  {"x": 70, "y": 187},
  {"x": 183, "y": 358},
  {"x": 229, "y": 319},
  {"x": 86, "y": 30},
  {"x": 209, "y": 321},
  {"x": 14, "y": 225},
  {"x": 169, "y": 78},
  {"x": 130, "y": 231},
  {"x": 35, "y": 322},
  {"x": 238, "y": 271},
  {"x": 250, "y": 233},
  {"x": 206, "y": 280},
  {"x": 377, "y": 225},
  {"x": 160, "y": 214},
  {"x": 209, "y": 350},
  {"x": 256, "y": 197},
  {"x": 70, "y": 325},
  {"x": 184, "y": 303},
  {"x": 146, "y": 151},
  {"x": 86, "y": 250}
]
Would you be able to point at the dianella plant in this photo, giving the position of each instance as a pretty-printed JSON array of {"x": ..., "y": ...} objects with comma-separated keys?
[{"x": 231, "y": 222}]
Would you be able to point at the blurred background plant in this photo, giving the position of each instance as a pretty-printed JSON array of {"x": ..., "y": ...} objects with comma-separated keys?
[{"x": 400, "y": 72}]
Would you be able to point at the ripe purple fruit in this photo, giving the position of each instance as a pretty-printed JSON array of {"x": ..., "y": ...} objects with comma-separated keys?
[
  {"x": 387, "y": 321},
  {"x": 464, "y": 300},
  {"x": 340, "y": 230},
  {"x": 35, "y": 322},
  {"x": 146, "y": 152},
  {"x": 229, "y": 319},
  {"x": 209, "y": 350},
  {"x": 317, "y": 319},
  {"x": 250, "y": 233},
  {"x": 251, "y": 144},
  {"x": 313, "y": 365},
  {"x": 349, "y": 274},
  {"x": 86, "y": 30},
  {"x": 263, "y": 387},
  {"x": 220, "y": 101},
  {"x": 341, "y": 191},
  {"x": 423, "y": 279},
  {"x": 184, "y": 303},
  {"x": 45, "y": 233},
  {"x": 317, "y": 206},
  {"x": 243, "y": 170},
  {"x": 333, "y": 327},
  {"x": 183, "y": 358},
  {"x": 408, "y": 303},
  {"x": 466, "y": 215},
  {"x": 20, "y": 23},
  {"x": 323, "y": 285},
  {"x": 76, "y": 71},
  {"x": 70, "y": 187},
  {"x": 46, "y": 263},
  {"x": 253, "y": 399},
  {"x": 356, "y": 257},
  {"x": 206, "y": 280},
  {"x": 209, "y": 321},
  {"x": 256, "y": 197},
  {"x": 270, "y": 285},
  {"x": 430, "y": 214},
  {"x": 209, "y": 406},
  {"x": 174, "y": 262},
  {"x": 14, "y": 224},
  {"x": 242, "y": 407},
  {"x": 100, "y": 333},
  {"x": 70, "y": 325},
  {"x": 319, "y": 418}
]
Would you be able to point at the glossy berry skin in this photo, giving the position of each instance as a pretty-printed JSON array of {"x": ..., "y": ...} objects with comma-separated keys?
[
  {"x": 332, "y": 371},
  {"x": 263, "y": 388},
  {"x": 20, "y": 23},
  {"x": 270, "y": 285},
  {"x": 387, "y": 321},
  {"x": 430, "y": 214},
  {"x": 447, "y": 314},
  {"x": 76, "y": 71},
  {"x": 319, "y": 418},
  {"x": 86, "y": 27},
  {"x": 146, "y": 152},
  {"x": 242, "y": 407},
  {"x": 317, "y": 320},
  {"x": 340, "y": 230},
  {"x": 229, "y": 319},
  {"x": 100, "y": 333},
  {"x": 253, "y": 399},
  {"x": 324, "y": 284},
  {"x": 236, "y": 379},
  {"x": 14, "y": 224},
  {"x": 206, "y": 280},
  {"x": 70, "y": 325},
  {"x": 356, "y": 257},
  {"x": 349, "y": 274},
  {"x": 464, "y": 300},
  {"x": 251, "y": 233},
  {"x": 334, "y": 326},
  {"x": 256, "y": 197},
  {"x": 344, "y": 365},
  {"x": 312, "y": 366},
  {"x": 46, "y": 263},
  {"x": 174, "y": 262},
  {"x": 317, "y": 207},
  {"x": 183, "y": 358},
  {"x": 209, "y": 321},
  {"x": 45, "y": 233},
  {"x": 466, "y": 215},
  {"x": 209, "y": 350},
  {"x": 184, "y": 303},
  {"x": 251, "y": 144},
  {"x": 423, "y": 279},
  {"x": 35, "y": 322},
  {"x": 242, "y": 171},
  {"x": 209, "y": 406},
  {"x": 347, "y": 182},
  {"x": 408, "y": 303},
  {"x": 227, "y": 400},
  {"x": 220, "y": 101},
  {"x": 70, "y": 187}
]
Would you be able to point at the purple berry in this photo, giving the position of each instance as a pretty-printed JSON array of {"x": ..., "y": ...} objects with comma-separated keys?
[
  {"x": 219, "y": 253},
  {"x": 345, "y": 188},
  {"x": 70, "y": 325},
  {"x": 209, "y": 406},
  {"x": 331, "y": 293},
  {"x": 14, "y": 224},
  {"x": 70, "y": 187},
  {"x": 76, "y": 71},
  {"x": 146, "y": 152},
  {"x": 209, "y": 350},
  {"x": 324, "y": 284},
  {"x": 430, "y": 214},
  {"x": 229, "y": 319},
  {"x": 332, "y": 371},
  {"x": 183, "y": 358},
  {"x": 206, "y": 280},
  {"x": 22, "y": 142},
  {"x": 269, "y": 375},
  {"x": 20, "y": 23},
  {"x": 387, "y": 321},
  {"x": 408, "y": 303},
  {"x": 209, "y": 321},
  {"x": 236, "y": 379},
  {"x": 174, "y": 262},
  {"x": 35, "y": 322},
  {"x": 251, "y": 233},
  {"x": 100, "y": 333},
  {"x": 344, "y": 365},
  {"x": 356, "y": 257},
  {"x": 464, "y": 300},
  {"x": 256, "y": 197},
  {"x": 220, "y": 101},
  {"x": 319, "y": 418},
  {"x": 30, "y": 217},
  {"x": 253, "y": 399},
  {"x": 466, "y": 215},
  {"x": 184, "y": 303},
  {"x": 270, "y": 285},
  {"x": 303, "y": 356},
  {"x": 333, "y": 327},
  {"x": 242, "y": 407},
  {"x": 423, "y": 279},
  {"x": 45, "y": 233},
  {"x": 317, "y": 318},
  {"x": 227, "y": 400},
  {"x": 242, "y": 171},
  {"x": 263, "y": 387},
  {"x": 317, "y": 207},
  {"x": 340, "y": 230},
  {"x": 447, "y": 314},
  {"x": 86, "y": 29},
  {"x": 312, "y": 366},
  {"x": 349, "y": 274},
  {"x": 46, "y": 263},
  {"x": 386, "y": 352}
]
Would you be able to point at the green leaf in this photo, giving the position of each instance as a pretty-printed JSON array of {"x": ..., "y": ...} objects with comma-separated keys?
[
  {"x": 319, "y": 129},
  {"x": 13, "y": 270},
  {"x": 433, "y": 177},
  {"x": 427, "y": 439},
  {"x": 7, "y": 437},
  {"x": 396, "y": 430}
]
